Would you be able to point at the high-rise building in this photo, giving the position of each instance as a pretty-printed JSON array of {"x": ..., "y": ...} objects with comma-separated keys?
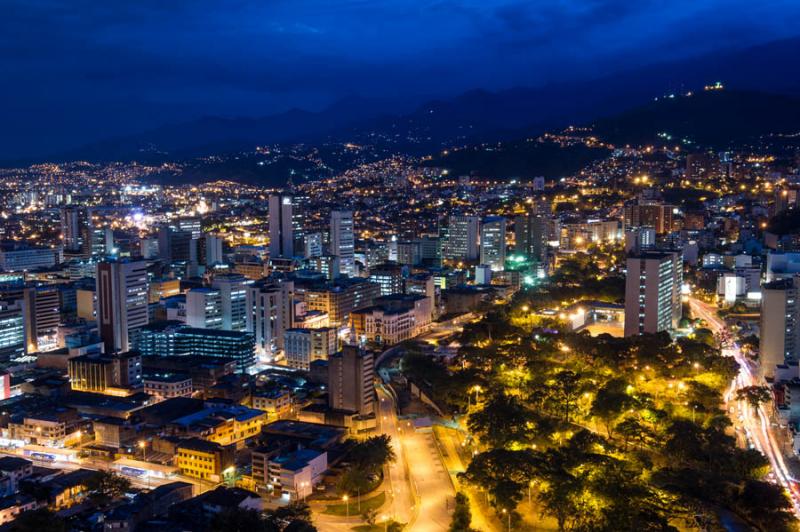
[
  {"x": 269, "y": 314},
  {"x": 530, "y": 235},
  {"x": 176, "y": 245},
  {"x": 313, "y": 245},
  {"x": 204, "y": 308},
  {"x": 351, "y": 381},
  {"x": 343, "y": 241},
  {"x": 461, "y": 239},
  {"x": 493, "y": 243},
  {"x": 42, "y": 317},
  {"x": 299, "y": 205},
  {"x": 122, "y": 295},
  {"x": 12, "y": 330},
  {"x": 652, "y": 292},
  {"x": 72, "y": 219},
  {"x": 389, "y": 276},
  {"x": 233, "y": 294},
  {"x": 780, "y": 315},
  {"x": 213, "y": 255},
  {"x": 304, "y": 346},
  {"x": 657, "y": 216},
  {"x": 281, "y": 226}
]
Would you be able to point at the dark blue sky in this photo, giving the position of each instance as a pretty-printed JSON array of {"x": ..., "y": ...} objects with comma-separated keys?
[{"x": 75, "y": 71}]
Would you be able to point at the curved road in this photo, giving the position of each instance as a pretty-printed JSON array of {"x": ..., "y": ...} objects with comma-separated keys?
[{"x": 756, "y": 422}]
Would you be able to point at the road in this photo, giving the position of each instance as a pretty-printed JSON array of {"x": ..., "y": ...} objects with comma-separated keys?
[
  {"x": 402, "y": 504},
  {"x": 755, "y": 422}
]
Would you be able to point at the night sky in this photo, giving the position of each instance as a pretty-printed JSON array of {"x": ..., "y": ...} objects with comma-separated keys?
[{"x": 76, "y": 71}]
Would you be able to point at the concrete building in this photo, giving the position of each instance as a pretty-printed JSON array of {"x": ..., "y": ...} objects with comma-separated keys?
[
  {"x": 779, "y": 338},
  {"x": 652, "y": 292},
  {"x": 304, "y": 346},
  {"x": 351, "y": 381},
  {"x": 122, "y": 297},
  {"x": 462, "y": 239},
  {"x": 204, "y": 308},
  {"x": 493, "y": 243},
  {"x": 530, "y": 235},
  {"x": 343, "y": 241},
  {"x": 233, "y": 296},
  {"x": 281, "y": 229},
  {"x": 118, "y": 374}
]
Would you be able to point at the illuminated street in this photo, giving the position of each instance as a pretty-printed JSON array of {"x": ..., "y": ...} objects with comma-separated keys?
[{"x": 760, "y": 432}]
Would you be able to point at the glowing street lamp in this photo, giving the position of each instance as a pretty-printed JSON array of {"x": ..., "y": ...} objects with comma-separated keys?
[{"x": 346, "y": 500}]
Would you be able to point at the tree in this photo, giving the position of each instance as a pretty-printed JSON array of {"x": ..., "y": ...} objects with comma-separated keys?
[
  {"x": 38, "y": 521},
  {"x": 462, "y": 516},
  {"x": 611, "y": 401},
  {"x": 372, "y": 454},
  {"x": 754, "y": 395},
  {"x": 106, "y": 486},
  {"x": 241, "y": 520},
  {"x": 502, "y": 420}
]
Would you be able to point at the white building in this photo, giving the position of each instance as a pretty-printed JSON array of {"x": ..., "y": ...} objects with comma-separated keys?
[
  {"x": 652, "y": 292},
  {"x": 343, "y": 241},
  {"x": 204, "y": 308}
]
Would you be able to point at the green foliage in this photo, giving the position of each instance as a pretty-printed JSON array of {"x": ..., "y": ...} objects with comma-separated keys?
[
  {"x": 38, "y": 521},
  {"x": 754, "y": 395},
  {"x": 106, "y": 486},
  {"x": 502, "y": 421},
  {"x": 462, "y": 516},
  {"x": 295, "y": 517}
]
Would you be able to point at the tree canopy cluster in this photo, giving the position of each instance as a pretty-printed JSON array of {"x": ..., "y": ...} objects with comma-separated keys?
[{"x": 607, "y": 433}]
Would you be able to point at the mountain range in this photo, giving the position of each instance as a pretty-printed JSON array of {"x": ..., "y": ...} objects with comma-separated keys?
[{"x": 473, "y": 117}]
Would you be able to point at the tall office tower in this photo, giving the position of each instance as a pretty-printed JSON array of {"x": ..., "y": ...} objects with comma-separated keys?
[
  {"x": 313, "y": 245},
  {"x": 204, "y": 308},
  {"x": 351, "y": 384},
  {"x": 121, "y": 288},
  {"x": 233, "y": 293},
  {"x": 493, "y": 243},
  {"x": 281, "y": 227},
  {"x": 299, "y": 205},
  {"x": 530, "y": 235},
  {"x": 389, "y": 276},
  {"x": 343, "y": 241},
  {"x": 655, "y": 215},
  {"x": 42, "y": 317},
  {"x": 640, "y": 239},
  {"x": 461, "y": 243},
  {"x": 213, "y": 255},
  {"x": 192, "y": 225},
  {"x": 176, "y": 245},
  {"x": 780, "y": 316},
  {"x": 71, "y": 233},
  {"x": 269, "y": 314},
  {"x": 12, "y": 330},
  {"x": 653, "y": 292}
]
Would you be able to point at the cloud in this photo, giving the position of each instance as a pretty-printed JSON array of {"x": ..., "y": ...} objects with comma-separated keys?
[{"x": 69, "y": 65}]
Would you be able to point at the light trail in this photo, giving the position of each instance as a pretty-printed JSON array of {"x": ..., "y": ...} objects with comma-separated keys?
[{"x": 757, "y": 428}]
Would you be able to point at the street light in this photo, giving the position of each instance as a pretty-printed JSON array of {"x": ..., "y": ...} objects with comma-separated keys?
[
  {"x": 385, "y": 519},
  {"x": 346, "y": 499},
  {"x": 143, "y": 447},
  {"x": 506, "y": 512}
]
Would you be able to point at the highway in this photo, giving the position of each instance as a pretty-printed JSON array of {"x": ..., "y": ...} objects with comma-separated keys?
[{"x": 758, "y": 429}]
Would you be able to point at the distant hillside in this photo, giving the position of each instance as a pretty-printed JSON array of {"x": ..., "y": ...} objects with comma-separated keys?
[
  {"x": 708, "y": 118},
  {"x": 521, "y": 160},
  {"x": 474, "y": 117}
]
